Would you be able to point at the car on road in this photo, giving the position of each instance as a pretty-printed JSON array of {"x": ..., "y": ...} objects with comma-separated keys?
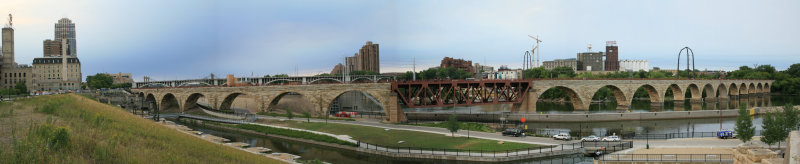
[
  {"x": 611, "y": 138},
  {"x": 562, "y": 136},
  {"x": 590, "y": 138},
  {"x": 513, "y": 132},
  {"x": 725, "y": 134}
]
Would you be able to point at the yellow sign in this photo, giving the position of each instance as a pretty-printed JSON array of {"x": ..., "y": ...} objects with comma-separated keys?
[
  {"x": 752, "y": 111},
  {"x": 526, "y": 127}
]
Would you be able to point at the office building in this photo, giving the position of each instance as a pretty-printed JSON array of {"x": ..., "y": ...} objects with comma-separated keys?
[
  {"x": 65, "y": 29},
  {"x": 368, "y": 59},
  {"x": 51, "y": 48}
]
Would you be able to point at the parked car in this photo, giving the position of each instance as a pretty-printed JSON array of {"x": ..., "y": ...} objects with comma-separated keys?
[
  {"x": 513, "y": 132},
  {"x": 725, "y": 134},
  {"x": 562, "y": 136},
  {"x": 590, "y": 138},
  {"x": 611, "y": 138}
]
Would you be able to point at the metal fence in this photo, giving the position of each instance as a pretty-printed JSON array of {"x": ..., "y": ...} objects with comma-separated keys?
[
  {"x": 610, "y": 146},
  {"x": 668, "y": 157},
  {"x": 468, "y": 152}
]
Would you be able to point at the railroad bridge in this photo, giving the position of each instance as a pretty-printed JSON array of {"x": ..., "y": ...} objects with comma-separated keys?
[{"x": 522, "y": 93}]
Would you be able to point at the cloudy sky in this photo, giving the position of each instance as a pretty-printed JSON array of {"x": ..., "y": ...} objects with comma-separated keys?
[{"x": 193, "y": 38}]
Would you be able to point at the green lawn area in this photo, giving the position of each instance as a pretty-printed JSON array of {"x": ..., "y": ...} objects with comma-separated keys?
[
  {"x": 464, "y": 125},
  {"x": 414, "y": 139},
  {"x": 76, "y": 129}
]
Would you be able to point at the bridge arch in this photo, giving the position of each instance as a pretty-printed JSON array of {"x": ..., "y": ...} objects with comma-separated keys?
[
  {"x": 192, "y": 101},
  {"x": 228, "y": 101},
  {"x": 708, "y": 91},
  {"x": 677, "y": 93},
  {"x": 652, "y": 93},
  {"x": 299, "y": 105},
  {"x": 576, "y": 100},
  {"x": 751, "y": 89},
  {"x": 733, "y": 90},
  {"x": 759, "y": 88},
  {"x": 722, "y": 91},
  {"x": 363, "y": 78},
  {"x": 766, "y": 88},
  {"x": 693, "y": 93},
  {"x": 151, "y": 101},
  {"x": 321, "y": 79},
  {"x": 370, "y": 98},
  {"x": 743, "y": 89},
  {"x": 169, "y": 103},
  {"x": 285, "y": 80}
]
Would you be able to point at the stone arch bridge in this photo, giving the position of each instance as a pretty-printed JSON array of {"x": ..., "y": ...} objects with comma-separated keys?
[{"x": 579, "y": 91}]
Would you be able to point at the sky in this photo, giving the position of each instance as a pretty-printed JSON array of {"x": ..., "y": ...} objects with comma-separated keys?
[{"x": 187, "y": 39}]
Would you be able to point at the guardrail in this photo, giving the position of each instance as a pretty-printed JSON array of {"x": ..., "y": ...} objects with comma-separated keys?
[
  {"x": 468, "y": 152},
  {"x": 610, "y": 146},
  {"x": 667, "y": 157}
]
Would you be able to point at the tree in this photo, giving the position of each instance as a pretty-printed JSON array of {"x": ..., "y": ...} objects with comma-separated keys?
[
  {"x": 773, "y": 126},
  {"x": 790, "y": 118},
  {"x": 307, "y": 116},
  {"x": 281, "y": 75},
  {"x": 99, "y": 80},
  {"x": 289, "y": 113},
  {"x": 794, "y": 70},
  {"x": 452, "y": 125},
  {"x": 744, "y": 125},
  {"x": 21, "y": 88}
]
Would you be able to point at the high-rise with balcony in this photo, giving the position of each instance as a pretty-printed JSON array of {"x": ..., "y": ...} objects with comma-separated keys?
[{"x": 65, "y": 29}]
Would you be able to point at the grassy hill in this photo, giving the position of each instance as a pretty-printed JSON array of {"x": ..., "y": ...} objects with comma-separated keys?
[{"x": 75, "y": 129}]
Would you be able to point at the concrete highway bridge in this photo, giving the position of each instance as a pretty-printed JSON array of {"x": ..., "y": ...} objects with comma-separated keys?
[
  {"x": 522, "y": 93},
  {"x": 265, "y": 80}
]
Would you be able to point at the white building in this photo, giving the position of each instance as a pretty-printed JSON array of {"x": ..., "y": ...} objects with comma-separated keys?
[
  {"x": 634, "y": 65},
  {"x": 505, "y": 74}
]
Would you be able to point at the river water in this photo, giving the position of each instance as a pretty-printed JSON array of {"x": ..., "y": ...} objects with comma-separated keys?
[{"x": 335, "y": 155}]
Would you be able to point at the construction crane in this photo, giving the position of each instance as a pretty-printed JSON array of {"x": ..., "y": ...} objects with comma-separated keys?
[{"x": 535, "y": 49}]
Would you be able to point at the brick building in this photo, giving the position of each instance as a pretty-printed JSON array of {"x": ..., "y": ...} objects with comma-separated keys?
[{"x": 461, "y": 64}]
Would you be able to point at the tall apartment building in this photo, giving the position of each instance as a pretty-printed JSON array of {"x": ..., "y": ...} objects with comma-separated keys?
[
  {"x": 65, "y": 29},
  {"x": 461, "y": 64},
  {"x": 367, "y": 59},
  {"x": 612, "y": 56}
]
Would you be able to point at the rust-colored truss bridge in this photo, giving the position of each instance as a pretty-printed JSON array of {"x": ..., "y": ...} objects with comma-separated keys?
[{"x": 417, "y": 94}]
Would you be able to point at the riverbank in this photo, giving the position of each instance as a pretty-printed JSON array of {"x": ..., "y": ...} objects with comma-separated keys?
[{"x": 75, "y": 129}]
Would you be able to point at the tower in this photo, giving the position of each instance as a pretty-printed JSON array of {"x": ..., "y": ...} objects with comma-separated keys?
[
  {"x": 612, "y": 56},
  {"x": 8, "y": 49},
  {"x": 65, "y": 29}
]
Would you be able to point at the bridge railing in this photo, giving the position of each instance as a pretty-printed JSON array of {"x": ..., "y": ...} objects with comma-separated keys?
[
  {"x": 719, "y": 158},
  {"x": 470, "y": 152}
]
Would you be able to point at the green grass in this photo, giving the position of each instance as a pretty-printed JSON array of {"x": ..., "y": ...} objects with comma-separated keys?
[
  {"x": 413, "y": 139},
  {"x": 76, "y": 129},
  {"x": 464, "y": 126},
  {"x": 296, "y": 116},
  {"x": 293, "y": 133}
]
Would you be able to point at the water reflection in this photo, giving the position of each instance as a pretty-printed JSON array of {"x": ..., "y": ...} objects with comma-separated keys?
[{"x": 638, "y": 105}]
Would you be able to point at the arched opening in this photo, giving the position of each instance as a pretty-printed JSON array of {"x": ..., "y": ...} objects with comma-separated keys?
[
  {"x": 673, "y": 93},
  {"x": 692, "y": 91},
  {"x": 759, "y": 88},
  {"x": 361, "y": 103},
  {"x": 733, "y": 90},
  {"x": 228, "y": 106},
  {"x": 708, "y": 91},
  {"x": 766, "y": 87},
  {"x": 751, "y": 89},
  {"x": 169, "y": 104},
  {"x": 560, "y": 94},
  {"x": 150, "y": 102},
  {"x": 291, "y": 101},
  {"x": 196, "y": 100},
  {"x": 608, "y": 98},
  {"x": 722, "y": 91},
  {"x": 743, "y": 89},
  {"x": 648, "y": 93}
]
